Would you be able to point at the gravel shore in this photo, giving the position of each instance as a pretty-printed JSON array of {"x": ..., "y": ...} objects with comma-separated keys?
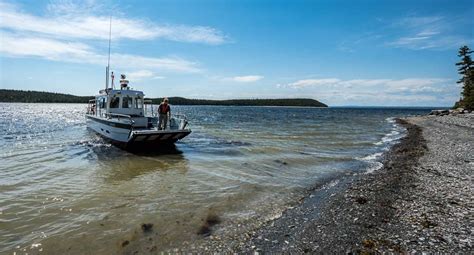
[{"x": 420, "y": 201}]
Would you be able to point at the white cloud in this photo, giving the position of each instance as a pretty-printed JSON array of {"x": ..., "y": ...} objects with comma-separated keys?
[
  {"x": 313, "y": 82},
  {"x": 67, "y": 32},
  {"x": 363, "y": 82},
  {"x": 244, "y": 79},
  {"x": 428, "y": 42},
  {"x": 183, "y": 33},
  {"x": 12, "y": 45},
  {"x": 414, "y": 82},
  {"x": 415, "y": 33},
  {"x": 418, "y": 21},
  {"x": 427, "y": 32},
  {"x": 51, "y": 49},
  {"x": 72, "y": 7},
  {"x": 139, "y": 62},
  {"x": 410, "y": 91},
  {"x": 68, "y": 20},
  {"x": 142, "y": 75},
  {"x": 358, "y": 83}
]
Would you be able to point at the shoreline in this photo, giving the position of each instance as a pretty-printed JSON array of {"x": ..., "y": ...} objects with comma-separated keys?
[
  {"x": 338, "y": 219},
  {"x": 393, "y": 209}
]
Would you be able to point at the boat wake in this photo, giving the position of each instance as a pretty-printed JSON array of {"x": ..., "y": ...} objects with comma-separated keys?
[{"x": 94, "y": 143}]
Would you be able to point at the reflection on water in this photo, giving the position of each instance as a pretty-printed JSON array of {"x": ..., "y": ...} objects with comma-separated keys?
[
  {"x": 120, "y": 165},
  {"x": 64, "y": 190}
]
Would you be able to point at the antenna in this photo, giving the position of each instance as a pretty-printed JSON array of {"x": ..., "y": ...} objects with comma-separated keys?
[{"x": 108, "y": 60}]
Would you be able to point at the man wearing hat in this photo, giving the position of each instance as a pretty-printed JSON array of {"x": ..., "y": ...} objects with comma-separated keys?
[{"x": 165, "y": 113}]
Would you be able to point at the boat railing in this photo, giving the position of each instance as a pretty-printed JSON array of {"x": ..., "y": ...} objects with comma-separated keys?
[
  {"x": 148, "y": 102},
  {"x": 177, "y": 121},
  {"x": 180, "y": 116},
  {"x": 182, "y": 120},
  {"x": 91, "y": 107}
]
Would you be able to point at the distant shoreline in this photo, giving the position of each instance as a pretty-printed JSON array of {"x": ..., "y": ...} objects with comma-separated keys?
[{"x": 21, "y": 96}]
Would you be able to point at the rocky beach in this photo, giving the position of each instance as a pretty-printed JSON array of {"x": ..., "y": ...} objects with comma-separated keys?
[{"x": 421, "y": 200}]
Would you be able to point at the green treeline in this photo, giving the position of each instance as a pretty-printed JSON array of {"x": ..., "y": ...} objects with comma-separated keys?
[
  {"x": 20, "y": 96},
  {"x": 244, "y": 102}
]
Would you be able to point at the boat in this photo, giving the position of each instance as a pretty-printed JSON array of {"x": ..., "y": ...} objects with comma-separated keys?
[{"x": 126, "y": 119}]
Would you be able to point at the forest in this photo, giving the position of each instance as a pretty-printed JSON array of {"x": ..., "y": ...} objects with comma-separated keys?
[{"x": 21, "y": 96}]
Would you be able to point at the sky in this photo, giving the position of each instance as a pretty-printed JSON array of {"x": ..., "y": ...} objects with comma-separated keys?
[{"x": 342, "y": 53}]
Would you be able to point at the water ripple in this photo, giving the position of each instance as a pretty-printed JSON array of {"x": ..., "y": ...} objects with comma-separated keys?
[{"x": 65, "y": 188}]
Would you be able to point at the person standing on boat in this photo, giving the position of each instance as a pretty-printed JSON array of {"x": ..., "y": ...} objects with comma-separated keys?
[{"x": 165, "y": 113}]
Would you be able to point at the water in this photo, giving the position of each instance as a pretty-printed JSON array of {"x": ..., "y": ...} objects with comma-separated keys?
[{"x": 64, "y": 190}]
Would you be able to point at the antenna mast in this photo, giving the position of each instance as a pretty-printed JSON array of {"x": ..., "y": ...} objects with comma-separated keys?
[{"x": 108, "y": 60}]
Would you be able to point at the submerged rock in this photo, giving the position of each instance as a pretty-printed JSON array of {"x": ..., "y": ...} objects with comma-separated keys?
[
  {"x": 211, "y": 220},
  {"x": 147, "y": 227},
  {"x": 281, "y": 162},
  {"x": 204, "y": 230}
]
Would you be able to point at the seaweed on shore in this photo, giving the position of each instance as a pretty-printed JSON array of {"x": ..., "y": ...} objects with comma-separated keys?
[{"x": 211, "y": 220}]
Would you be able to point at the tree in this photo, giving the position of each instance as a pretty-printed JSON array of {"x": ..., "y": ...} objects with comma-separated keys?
[
  {"x": 466, "y": 70},
  {"x": 468, "y": 90}
]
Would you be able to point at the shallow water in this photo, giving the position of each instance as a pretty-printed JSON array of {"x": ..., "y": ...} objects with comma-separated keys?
[{"x": 63, "y": 189}]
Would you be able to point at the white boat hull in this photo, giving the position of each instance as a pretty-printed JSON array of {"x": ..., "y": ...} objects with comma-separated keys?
[
  {"x": 119, "y": 134},
  {"x": 122, "y": 133}
]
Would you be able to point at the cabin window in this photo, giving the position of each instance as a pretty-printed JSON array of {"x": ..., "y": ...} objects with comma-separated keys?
[
  {"x": 138, "y": 103},
  {"x": 127, "y": 102},
  {"x": 102, "y": 102},
  {"x": 115, "y": 102}
]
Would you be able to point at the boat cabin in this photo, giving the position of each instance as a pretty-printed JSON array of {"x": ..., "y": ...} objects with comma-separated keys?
[
  {"x": 120, "y": 104},
  {"x": 127, "y": 102}
]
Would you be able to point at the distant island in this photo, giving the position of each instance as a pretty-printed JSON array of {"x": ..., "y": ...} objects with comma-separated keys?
[{"x": 21, "y": 96}]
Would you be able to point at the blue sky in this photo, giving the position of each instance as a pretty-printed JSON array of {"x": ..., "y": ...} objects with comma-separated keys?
[{"x": 377, "y": 53}]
